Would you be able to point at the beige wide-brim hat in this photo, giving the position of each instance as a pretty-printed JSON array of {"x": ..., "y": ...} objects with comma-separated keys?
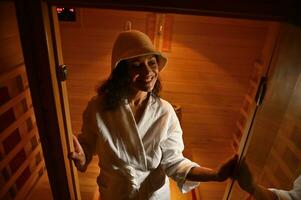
[{"x": 133, "y": 43}]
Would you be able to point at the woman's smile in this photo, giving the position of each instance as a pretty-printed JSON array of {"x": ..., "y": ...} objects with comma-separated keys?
[{"x": 146, "y": 79}]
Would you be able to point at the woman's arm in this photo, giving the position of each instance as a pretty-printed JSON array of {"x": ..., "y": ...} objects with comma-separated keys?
[
  {"x": 262, "y": 193},
  {"x": 85, "y": 144},
  {"x": 203, "y": 174},
  {"x": 247, "y": 183}
]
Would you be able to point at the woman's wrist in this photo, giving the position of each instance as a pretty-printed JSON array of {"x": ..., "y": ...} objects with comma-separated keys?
[
  {"x": 202, "y": 174},
  {"x": 254, "y": 189}
]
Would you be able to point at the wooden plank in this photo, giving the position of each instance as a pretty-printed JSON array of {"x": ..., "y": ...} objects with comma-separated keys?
[
  {"x": 39, "y": 62},
  {"x": 41, "y": 190},
  {"x": 16, "y": 124},
  {"x": 239, "y": 126},
  {"x": 201, "y": 33},
  {"x": 296, "y": 150},
  {"x": 10, "y": 49},
  {"x": 25, "y": 140},
  {"x": 249, "y": 99},
  {"x": 12, "y": 73},
  {"x": 221, "y": 21},
  {"x": 278, "y": 158},
  {"x": 14, "y": 177},
  {"x": 243, "y": 112},
  {"x": 30, "y": 182},
  {"x": 67, "y": 139},
  {"x": 12, "y": 102},
  {"x": 271, "y": 177}
]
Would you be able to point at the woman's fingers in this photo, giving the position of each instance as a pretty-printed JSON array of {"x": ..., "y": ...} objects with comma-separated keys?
[
  {"x": 77, "y": 146},
  {"x": 227, "y": 169},
  {"x": 74, "y": 156},
  {"x": 78, "y": 156},
  {"x": 245, "y": 177}
]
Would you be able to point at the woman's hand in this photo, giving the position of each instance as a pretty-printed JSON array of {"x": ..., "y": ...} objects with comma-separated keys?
[
  {"x": 78, "y": 156},
  {"x": 246, "y": 182},
  {"x": 245, "y": 178},
  {"x": 227, "y": 169},
  {"x": 204, "y": 174}
]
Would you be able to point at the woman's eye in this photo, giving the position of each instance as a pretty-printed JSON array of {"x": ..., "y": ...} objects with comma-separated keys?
[
  {"x": 152, "y": 63},
  {"x": 135, "y": 65}
]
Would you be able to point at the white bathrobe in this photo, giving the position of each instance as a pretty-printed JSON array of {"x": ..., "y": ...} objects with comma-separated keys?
[
  {"x": 293, "y": 194},
  {"x": 136, "y": 157}
]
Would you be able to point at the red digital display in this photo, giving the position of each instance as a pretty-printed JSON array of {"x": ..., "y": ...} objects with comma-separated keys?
[{"x": 66, "y": 14}]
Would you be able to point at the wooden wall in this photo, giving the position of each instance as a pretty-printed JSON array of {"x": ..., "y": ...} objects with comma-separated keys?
[
  {"x": 275, "y": 146},
  {"x": 211, "y": 64},
  {"x": 211, "y": 61},
  {"x": 21, "y": 156},
  {"x": 277, "y": 131}
]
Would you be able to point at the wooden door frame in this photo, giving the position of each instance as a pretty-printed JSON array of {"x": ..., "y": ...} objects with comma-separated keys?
[
  {"x": 39, "y": 51},
  {"x": 33, "y": 21}
]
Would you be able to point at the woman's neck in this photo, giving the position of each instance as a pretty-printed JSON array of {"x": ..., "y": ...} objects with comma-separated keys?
[{"x": 137, "y": 98}]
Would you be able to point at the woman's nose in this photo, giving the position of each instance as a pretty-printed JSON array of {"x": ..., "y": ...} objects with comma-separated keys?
[{"x": 146, "y": 69}]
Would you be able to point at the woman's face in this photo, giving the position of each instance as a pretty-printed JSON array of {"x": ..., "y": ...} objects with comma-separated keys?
[{"x": 143, "y": 72}]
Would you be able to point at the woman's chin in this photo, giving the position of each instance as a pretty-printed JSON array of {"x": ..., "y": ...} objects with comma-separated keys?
[{"x": 146, "y": 88}]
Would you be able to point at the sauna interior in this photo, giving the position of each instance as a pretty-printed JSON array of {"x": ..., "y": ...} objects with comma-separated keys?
[{"x": 214, "y": 72}]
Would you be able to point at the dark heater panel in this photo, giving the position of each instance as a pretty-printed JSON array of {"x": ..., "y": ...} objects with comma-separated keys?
[{"x": 66, "y": 14}]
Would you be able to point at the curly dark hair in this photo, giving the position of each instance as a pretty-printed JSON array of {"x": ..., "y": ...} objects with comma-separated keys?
[{"x": 117, "y": 87}]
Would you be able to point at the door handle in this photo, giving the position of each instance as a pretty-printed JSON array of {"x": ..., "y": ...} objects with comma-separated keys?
[{"x": 62, "y": 72}]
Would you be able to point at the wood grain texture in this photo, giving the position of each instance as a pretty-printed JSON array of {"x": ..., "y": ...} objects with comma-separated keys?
[
  {"x": 274, "y": 151},
  {"x": 21, "y": 135}
]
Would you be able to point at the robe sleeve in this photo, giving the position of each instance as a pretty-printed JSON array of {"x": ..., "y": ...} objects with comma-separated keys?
[
  {"x": 88, "y": 136},
  {"x": 293, "y": 194},
  {"x": 173, "y": 162}
]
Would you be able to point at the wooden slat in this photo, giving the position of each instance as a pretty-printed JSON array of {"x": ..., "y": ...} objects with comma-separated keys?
[
  {"x": 25, "y": 140},
  {"x": 66, "y": 138},
  {"x": 12, "y": 102},
  {"x": 243, "y": 112},
  {"x": 14, "y": 177},
  {"x": 296, "y": 150},
  {"x": 281, "y": 164},
  {"x": 271, "y": 176},
  {"x": 12, "y": 73},
  {"x": 249, "y": 98},
  {"x": 239, "y": 126},
  {"x": 16, "y": 124},
  {"x": 236, "y": 140},
  {"x": 30, "y": 182},
  {"x": 253, "y": 84},
  {"x": 221, "y": 21}
]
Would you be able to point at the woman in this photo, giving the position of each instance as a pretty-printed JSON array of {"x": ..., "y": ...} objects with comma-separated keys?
[{"x": 135, "y": 133}]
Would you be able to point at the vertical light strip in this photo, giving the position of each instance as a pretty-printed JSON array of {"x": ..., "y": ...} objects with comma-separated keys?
[{"x": 167, "y": 33}]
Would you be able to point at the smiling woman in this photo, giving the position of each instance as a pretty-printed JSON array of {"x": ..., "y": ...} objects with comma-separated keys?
[
  {"x": 135, "y": 133},
  {"x": 135, "y": 67}
]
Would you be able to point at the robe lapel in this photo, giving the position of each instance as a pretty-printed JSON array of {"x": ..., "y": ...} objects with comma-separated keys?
[{"x": 129, "y": 134}]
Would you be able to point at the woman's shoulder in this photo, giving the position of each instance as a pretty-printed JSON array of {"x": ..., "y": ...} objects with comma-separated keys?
[
  {"x": 94, "y": 103},
  {"x": 165, "y": 105}
]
